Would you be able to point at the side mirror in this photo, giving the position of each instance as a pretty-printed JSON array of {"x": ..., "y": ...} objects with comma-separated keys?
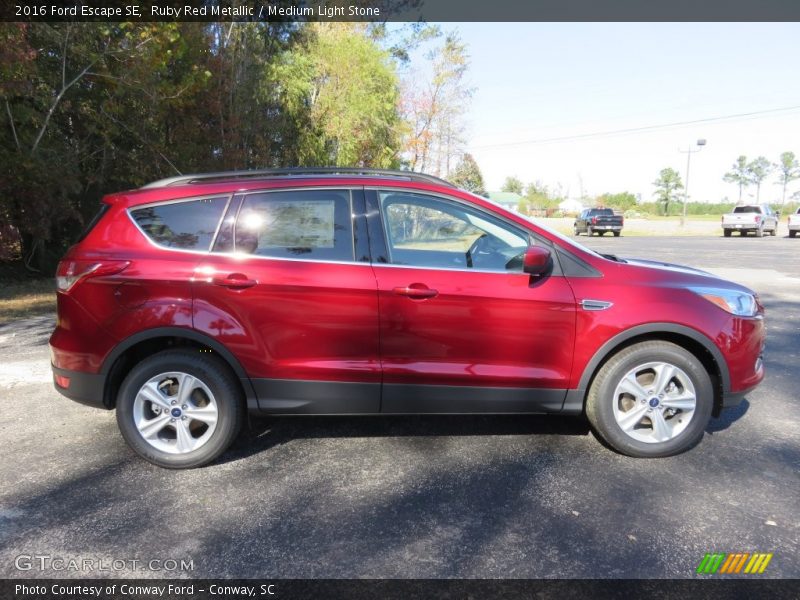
[{"x": 536, "y": 260}]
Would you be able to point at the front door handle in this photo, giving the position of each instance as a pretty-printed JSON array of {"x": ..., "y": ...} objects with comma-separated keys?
[
  {"x": 236, "y": 281},
  {"x": 416, "y": 291}
]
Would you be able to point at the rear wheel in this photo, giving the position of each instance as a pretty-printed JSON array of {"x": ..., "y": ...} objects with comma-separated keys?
[
  {"x": 652, "y": 399},
  {"x": 616, "y": 233},
  {"x": 792, "y": 233},
  {"x": 577, "y": 233},
  {"x": 589, "y": 231},
  {"x": 760, "y": 232},
  {"x": 726, "y": 232},
  {"x": 179, "y": 410}
]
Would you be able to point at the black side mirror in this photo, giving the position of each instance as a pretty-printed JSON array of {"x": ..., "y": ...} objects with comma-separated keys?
[{"x": 536, "y": 260}]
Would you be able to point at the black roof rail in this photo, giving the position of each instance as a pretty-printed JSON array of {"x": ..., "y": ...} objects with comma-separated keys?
[{"x": 296, "y": 171}]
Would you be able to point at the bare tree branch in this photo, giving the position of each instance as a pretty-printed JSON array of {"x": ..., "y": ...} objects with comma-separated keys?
[
  {"x": 13, "y": 127},
  {"x": 141, "y": 139}
]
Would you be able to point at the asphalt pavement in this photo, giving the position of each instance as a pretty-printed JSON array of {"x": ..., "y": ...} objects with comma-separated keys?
[{"x": 422, "y": 497}]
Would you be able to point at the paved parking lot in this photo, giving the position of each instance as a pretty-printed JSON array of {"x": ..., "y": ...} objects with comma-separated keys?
[{"x": 514, "y": 497}]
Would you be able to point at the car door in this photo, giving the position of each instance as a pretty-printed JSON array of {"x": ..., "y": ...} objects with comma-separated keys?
[
  {"x": 289, "y": 290},
  {"x": 463, "y": 328}
]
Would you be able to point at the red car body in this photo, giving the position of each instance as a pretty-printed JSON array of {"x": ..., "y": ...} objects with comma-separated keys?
[{"x": 366, "y": 336}]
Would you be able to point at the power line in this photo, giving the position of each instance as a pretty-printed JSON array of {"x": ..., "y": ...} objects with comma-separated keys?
[{"x": 583, "y": 136}]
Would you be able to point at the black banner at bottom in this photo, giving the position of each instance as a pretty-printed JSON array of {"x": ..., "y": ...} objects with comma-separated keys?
[{"x": 302, "y": 589}]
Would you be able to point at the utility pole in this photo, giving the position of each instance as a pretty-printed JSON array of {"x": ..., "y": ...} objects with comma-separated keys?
[{"x": 700, "y": 143}]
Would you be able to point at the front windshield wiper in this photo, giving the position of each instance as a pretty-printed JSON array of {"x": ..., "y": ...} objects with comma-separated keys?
[{"x": 614, "y": 257}]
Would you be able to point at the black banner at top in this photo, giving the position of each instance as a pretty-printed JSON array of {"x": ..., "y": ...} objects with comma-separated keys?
[{"x": 400, "y": 10}]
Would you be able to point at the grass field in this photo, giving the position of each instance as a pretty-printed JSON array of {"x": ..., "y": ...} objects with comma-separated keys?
[{"x": 27, "y": 298}]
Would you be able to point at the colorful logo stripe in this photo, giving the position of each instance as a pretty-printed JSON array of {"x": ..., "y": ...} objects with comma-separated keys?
[{"x": 734, "y": 563}]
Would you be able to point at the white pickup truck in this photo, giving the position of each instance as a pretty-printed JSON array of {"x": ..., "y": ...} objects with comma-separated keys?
[
  {"x": 794, "y": 223},
  {"x": 758, "y": 218}
]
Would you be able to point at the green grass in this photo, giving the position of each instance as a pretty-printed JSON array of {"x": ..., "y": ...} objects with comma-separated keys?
[
  {"x": 27, "y": 298},
  {"x": 678, "y": 218}
]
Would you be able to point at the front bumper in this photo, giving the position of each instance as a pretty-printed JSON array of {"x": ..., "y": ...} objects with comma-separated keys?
[{"x": 85, "y": 388}]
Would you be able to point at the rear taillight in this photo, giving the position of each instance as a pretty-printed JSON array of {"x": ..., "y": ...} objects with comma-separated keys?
[
  {"x": 758, "y": 218},
  {"x": 622, "y": 220},
  {"x": 71, "y": 271}
]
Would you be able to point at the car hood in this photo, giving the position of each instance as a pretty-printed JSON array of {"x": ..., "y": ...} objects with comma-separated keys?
[{"x": 684, "y": 275}]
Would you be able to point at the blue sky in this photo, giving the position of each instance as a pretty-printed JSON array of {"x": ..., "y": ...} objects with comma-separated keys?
[{"x": 536, "y": 81}]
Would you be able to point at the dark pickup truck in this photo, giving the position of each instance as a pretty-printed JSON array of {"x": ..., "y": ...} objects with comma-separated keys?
[{"x": 598, "y": 220}]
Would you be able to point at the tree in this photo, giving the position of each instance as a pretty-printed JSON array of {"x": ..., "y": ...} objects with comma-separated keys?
[
  {"x": 434, "y": 109},
  {"x": 738, "y": 174},
  {"x": 758, "y": 170},
  {"x": 512, "y": 184},
  {"x": 468, "y": 176},
  {"x": 667, "y": 186},
  {"x": 340, "y": 89},
  {"x": 788, "y": 170}
]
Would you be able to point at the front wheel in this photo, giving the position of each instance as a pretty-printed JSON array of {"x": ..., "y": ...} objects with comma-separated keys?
[
  {"x": 792, "y": 233},
  {"x": 726, "y": 232},
  {"x": 652, "y": 399},
  {"x": 178, "y": 409}
]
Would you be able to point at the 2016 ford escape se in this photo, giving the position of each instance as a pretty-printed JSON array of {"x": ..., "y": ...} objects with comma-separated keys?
[{"x": 336, "y": 291}]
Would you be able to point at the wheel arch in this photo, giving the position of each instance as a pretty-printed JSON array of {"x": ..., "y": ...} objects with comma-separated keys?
[
  {"x": 127, "y": 353},
  {"x": 690, "y": 339}
]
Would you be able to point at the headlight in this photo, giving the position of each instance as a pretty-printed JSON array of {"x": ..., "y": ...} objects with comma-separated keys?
[{"x": 737, "y": 303}]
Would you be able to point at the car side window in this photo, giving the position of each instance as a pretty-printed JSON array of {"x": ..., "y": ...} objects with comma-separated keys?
[
  {"x": 313, "y": 224},
  {"x": 431, "y": 232},
  {"x": 187, "y": 225}
]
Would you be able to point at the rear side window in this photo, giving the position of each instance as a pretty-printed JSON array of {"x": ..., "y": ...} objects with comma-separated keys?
[
  {"x": 314, "y": 224},
  {"x": 95, "y": 220},
  {"x": 187, "y": 225}
]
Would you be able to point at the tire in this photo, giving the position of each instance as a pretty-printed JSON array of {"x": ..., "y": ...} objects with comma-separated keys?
[
  {"x": 760, "y": 232},
  {"x": 577, "y": 233},
  {"x": 617, "y": 233},
  {"x": 213, "y": 405},
  {"x": 726, "y": 232},
  {"x": 646, "y": 437},
  {"x": 589, "y": 232},
  {"x": 792, "y": 233}
]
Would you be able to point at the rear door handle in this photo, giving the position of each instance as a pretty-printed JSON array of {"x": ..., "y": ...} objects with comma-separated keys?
[
  {"x": 236, "y": 281},
  {"x": 416, "y": 291}
]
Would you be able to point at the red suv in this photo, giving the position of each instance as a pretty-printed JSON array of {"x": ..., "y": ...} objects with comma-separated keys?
[{"x": 356, "y": 291}]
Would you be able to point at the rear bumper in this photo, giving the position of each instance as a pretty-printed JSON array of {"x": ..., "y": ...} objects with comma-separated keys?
[{"x": 85, "y": 388}]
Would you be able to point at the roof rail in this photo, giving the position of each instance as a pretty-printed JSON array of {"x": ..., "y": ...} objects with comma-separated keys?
[{"x": 295, "y": 171}]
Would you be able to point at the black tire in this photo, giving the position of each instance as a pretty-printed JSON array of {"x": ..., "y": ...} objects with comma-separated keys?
[
  {"x": 792, "y": 233},
  {"x": 215, "y": 375},
  {"x": 617, "y": 233},
  {"x": 726, "y": 232},
  {"x": 600, "y": 409},
  {"x": 589, "y": 231}
]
